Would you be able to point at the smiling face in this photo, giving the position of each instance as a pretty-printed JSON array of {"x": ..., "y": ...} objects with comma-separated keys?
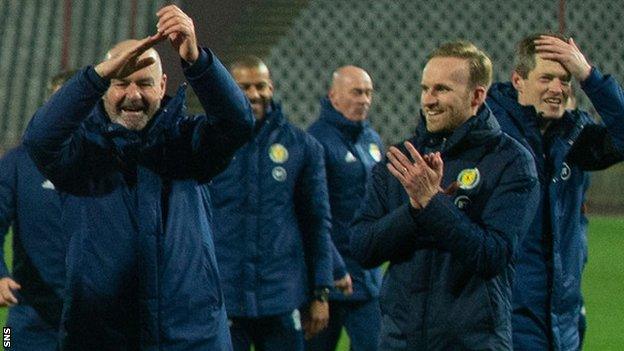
[
  {"x": 133, "y": 100},
  {"x": 257, "y": 85},
  {"x": 447, "y": 98},
  {"x": 547, "y": 87}
]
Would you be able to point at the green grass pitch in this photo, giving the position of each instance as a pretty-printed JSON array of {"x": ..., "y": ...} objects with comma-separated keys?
[{"x": 603, "y": 286}]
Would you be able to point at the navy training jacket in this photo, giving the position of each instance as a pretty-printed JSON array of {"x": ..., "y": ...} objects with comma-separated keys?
[
  {"x": 31, "y": 205},
  {"x": 448, "y": 285},
  {"x": 141, "y": 270},
  {"x": 272, "y": 221},
  {"x": 553, "y": 254},
  {"x": 351, "y": 151}
]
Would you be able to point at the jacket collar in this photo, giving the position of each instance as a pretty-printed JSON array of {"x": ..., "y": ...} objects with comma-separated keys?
[
  {"x": 525, "y": 117},
  {"x": 171, "y": 107},
  {"x": 131, "y": 144},
  {"x": 272, "y": 118},
  {"x": 347, "y": 127},
  {"x": 477, "y": 130}
]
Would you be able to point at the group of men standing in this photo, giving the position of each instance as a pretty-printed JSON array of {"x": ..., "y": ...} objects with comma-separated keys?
[{"x": 478, "y": 213}]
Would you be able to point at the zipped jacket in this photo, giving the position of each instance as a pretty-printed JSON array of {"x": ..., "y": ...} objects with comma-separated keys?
[
  {"x": 448, "y": 284},
  {"x": 272, "y": 221},
  {"x": 351, "y": 150},
  {"x": 30, "y": 204},
  {"x": 547, "y": 288},
  {"x": 141, "y": 270}
]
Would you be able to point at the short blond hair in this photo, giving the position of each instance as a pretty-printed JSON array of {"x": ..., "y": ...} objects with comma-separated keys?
[{"x": 479, "y": 64}]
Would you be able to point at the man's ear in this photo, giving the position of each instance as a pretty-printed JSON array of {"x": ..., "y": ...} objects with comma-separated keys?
[
  {"x": 517, "y": 81},
  {"x": 331, "y": 94},
  {"x": 479, "y": 94},
  {"x": 163, "y": 86}
]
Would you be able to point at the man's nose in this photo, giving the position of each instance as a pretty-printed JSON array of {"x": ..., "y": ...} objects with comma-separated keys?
[
  {"x": 252, "y": 93},
  {"x": 556, "y": 86},
  {"x": 133, "y": 92},
  {"x": 367, "y": 98},
  {"x": 428, "y": 99}
]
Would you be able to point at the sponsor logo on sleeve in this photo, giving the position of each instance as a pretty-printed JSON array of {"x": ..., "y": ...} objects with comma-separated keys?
[
  {"x": 349, "y": 157},
  {"x": 373, "y": 150}
]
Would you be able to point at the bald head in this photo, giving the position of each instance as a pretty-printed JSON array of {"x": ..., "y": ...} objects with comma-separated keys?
[
  {"x": 126, "y": 44},
  {"x": 133, "y": 100},
  {"x": 351, "y": 92}
]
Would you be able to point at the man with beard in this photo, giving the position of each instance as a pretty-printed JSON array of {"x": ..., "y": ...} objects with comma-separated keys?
[
  {"x": 272, "y": 222},
  {"x": 351, "y": 148},
  {"x": 141, "y": 272},
  {"x": 448, "y": 285},
  {"x": 547, "y": 301}
]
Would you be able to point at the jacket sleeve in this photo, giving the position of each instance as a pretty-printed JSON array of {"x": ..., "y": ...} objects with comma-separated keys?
[
  {"x": 229, "y": 120},
  {"x": 8, "y": 189},
  {"x": 55, "y": 140},
  {"x": 380, "y": 233},
  {"x": 312, "y": 207},
  {"x": 486, "y": 248},
  {"x": 339, "y": 267},
  {"x": 601, "y": 145}
]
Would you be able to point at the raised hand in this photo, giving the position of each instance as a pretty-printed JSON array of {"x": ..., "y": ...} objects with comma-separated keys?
[
  {"x": 566, "y": 53},
  {"x": 420, "y": 179},
  {"x": 127, "y": 59},
  {"x": 178, "y": 27}
]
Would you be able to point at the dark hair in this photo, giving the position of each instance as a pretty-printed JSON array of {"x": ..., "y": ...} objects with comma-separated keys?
[
  {"x": 525, "y": 53},
  {"x": 248, "y": 62},
  {"x": 480, "y": 65}
]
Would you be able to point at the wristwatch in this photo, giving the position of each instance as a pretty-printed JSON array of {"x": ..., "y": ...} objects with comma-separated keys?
[{"x": 321, "y": 294}]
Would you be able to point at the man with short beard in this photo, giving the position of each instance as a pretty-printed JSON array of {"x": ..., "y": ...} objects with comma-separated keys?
[
  {"x": 448, "y": 284},
  {"x": 141, "y": 272},
  {"x": 272, "y": 222},
  {"x": 564, "y": 146}
]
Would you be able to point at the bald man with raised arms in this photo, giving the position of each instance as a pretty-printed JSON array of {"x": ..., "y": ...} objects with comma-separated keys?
[{"x": 141, "y": 270}]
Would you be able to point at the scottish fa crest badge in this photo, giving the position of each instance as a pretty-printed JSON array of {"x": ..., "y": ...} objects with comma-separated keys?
[
  {"x": 468, "y": 178},
  {"x": 278, "y": 153}
]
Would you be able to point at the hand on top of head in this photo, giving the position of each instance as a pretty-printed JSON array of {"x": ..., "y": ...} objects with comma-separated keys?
[
  {"x": 123, "y": 60},
  {"x": 566, "y": 53}
]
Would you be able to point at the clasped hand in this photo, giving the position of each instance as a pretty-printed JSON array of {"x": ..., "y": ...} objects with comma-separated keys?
[{"x": 421, "y": 178}]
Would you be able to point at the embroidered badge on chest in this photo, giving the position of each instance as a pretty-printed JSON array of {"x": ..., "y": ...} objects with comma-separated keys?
[
  {"x": 566, "y": 172},
  {"x": 349, "y": 157},
  {"x": 462, "y": 202},
  {"x": 468, "y": 178},
  {"x": 373, "y": 150},
  {"x": 278, "y": 153},
  {"x": 279, "y": 174}
]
